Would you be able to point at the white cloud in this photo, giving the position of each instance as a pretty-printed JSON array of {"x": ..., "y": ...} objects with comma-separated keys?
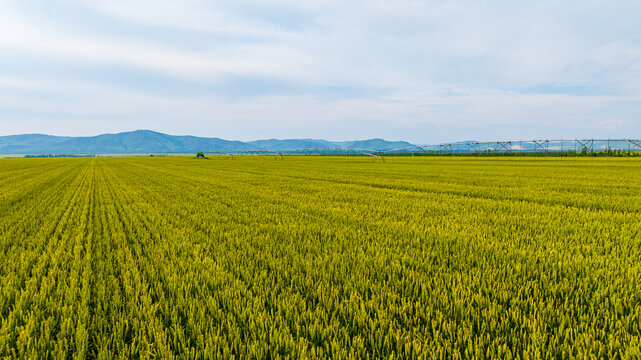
[{"x": 549, "y": 66}]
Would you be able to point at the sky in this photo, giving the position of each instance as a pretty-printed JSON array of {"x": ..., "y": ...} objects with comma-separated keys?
[{"x": 421, "y": 71}]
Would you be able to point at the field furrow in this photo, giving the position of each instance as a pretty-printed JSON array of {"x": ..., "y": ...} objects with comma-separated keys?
[{"x": 320, "y": 257}]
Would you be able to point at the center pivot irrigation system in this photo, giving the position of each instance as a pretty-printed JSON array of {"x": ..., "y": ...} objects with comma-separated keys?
[{"x": 582, "y": 146}]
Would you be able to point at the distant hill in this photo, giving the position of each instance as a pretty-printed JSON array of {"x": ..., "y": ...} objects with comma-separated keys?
[
  {"x": 147, "y": 141},
  {"x": 376, "y": 144},
  {"x": 28, "y": 143},
  {"x": 298, "y": 144},
  {"x": 291, "y": 144}
]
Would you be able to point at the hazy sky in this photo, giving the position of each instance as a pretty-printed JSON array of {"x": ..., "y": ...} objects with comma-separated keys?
[{"x": 422, "y": 71}]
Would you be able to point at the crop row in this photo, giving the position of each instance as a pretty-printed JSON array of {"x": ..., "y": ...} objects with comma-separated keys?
[{"x": 320, "y": 257}]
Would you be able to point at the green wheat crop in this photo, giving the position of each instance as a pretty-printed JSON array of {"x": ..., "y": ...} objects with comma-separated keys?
[{"x": 320, "y": 257}]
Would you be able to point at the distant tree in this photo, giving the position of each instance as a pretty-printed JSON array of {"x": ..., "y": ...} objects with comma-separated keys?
[
  {"x": 584, "y": 150},
  {"x": 200, "y": 155}
]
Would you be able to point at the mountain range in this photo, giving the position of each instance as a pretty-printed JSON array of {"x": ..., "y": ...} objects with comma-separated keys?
[{"x": 147, "y": 141}]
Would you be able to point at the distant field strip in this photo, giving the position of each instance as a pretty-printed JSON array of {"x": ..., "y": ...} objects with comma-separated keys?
[{"x": 320, "y": 257}]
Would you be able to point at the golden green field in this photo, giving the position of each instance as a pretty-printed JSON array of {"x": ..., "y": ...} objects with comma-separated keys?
[{"x": 320, "y": 257}]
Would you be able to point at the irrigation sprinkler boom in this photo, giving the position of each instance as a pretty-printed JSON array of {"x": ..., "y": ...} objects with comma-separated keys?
[
  {"x": 468, "y": 147},
  {"x": 376, "y": 156}
]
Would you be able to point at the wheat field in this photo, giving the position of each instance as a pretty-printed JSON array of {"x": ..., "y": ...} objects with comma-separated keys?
[{"x": 320, "y": 257}]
